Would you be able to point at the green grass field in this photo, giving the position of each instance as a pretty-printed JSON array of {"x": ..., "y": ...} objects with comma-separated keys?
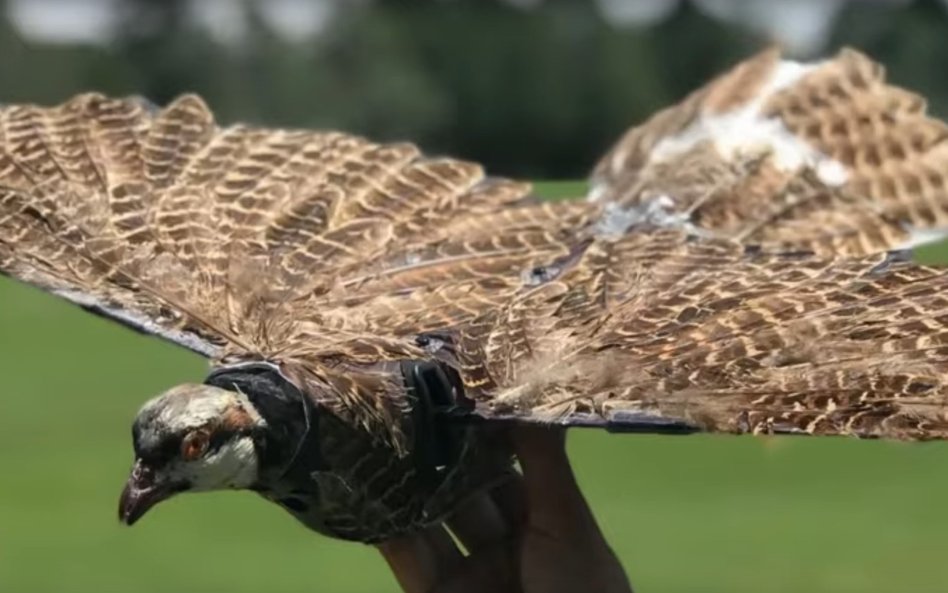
[{"x": 686, "y": 514}]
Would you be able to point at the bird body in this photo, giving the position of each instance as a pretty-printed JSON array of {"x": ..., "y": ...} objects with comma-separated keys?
[{"x": 373, "y": 315}]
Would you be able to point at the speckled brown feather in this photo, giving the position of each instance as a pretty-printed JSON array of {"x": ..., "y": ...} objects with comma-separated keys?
[
  {"x": 872, "y": 170},
  {"x": 761, "y": 343}
]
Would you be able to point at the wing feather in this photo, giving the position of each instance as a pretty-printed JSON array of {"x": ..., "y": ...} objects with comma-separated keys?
[
  {"x": 825, "y": 156},
  {"x": 769, "y": 343}
]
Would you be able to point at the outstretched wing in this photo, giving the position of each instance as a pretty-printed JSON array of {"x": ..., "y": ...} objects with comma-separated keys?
[
  {"x": 743, "y": 317},
  {"x": 79, "y": 185},
  {"x": 218, "y": 238},
  {"x": 718, "y": 337},
  {"x": 768, "y": 303},
  {"x": 825, "y": 156}
]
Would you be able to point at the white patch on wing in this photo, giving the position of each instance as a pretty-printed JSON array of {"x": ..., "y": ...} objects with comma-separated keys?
[
  {"x": 188, "y": 340},
  {"x": 832, "y": 172},
  {"x": 658, "y": 211},
  {"x": 745, "y": 131}
]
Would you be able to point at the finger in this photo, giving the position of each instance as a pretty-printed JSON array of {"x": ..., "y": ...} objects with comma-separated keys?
[
  {"x": 479, "y": 524},
  {"x": 422, "y": 560},
  {"x": 561, "y": 529},
  {"x": 542, "y": 448},
  {"x": 491, "y": 570},
  {"x": 556, "y": 504},
  {"x": 541, "y": 451},
  {"x": 510, "y": 498}
]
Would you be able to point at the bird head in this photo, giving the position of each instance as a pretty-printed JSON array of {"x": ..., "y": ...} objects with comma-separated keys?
[{"x": 191, "y": 438}]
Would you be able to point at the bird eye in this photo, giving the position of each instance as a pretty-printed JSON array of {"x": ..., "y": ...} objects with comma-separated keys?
[{"x": 194, "y": 445}]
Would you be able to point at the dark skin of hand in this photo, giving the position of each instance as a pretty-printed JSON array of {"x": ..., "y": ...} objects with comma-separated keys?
[{"x": 535, "y": 534}]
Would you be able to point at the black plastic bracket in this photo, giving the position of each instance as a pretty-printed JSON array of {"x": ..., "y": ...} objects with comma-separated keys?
[{"x": 436, "y": 391}]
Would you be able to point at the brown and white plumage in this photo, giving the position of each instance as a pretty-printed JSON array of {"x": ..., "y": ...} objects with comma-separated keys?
[
  {"x": 826, "y": 156},
  {"x": 714, "y": 338},
  {"x": 729, "y": 274}
]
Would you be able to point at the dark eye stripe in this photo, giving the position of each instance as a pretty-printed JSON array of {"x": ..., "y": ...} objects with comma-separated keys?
[
  {"x": 218, "y": 438},
  {"x": 168, "y": 448},
  {"x": 169, "y": 445}
]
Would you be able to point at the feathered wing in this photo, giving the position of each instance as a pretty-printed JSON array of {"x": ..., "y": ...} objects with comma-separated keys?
[
  {"x": 825, "y": 156},
  {"x": 756, "y": 294},
  {"x": 79, "y": 186},
  {"x": 722, "y": 338},
  {"x": 217, "y": 237},
  {"x": 300, "y": 247}
]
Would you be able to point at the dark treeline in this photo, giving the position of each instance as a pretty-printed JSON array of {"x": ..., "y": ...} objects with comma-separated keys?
[{"x": 536, "y": 93}]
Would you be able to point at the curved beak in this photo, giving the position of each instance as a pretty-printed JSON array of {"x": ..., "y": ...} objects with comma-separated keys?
[{"x": 141, "y": 492}]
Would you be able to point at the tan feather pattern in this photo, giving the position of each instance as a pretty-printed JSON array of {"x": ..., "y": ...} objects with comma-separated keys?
[
  {"x": 766, "y": 343},
  {"x": 826, "y": 156}
]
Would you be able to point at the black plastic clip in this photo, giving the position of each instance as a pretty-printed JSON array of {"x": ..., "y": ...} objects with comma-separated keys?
[{"x": 436, "y": 391}]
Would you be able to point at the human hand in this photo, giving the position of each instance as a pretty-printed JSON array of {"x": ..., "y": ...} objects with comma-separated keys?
[{"x": 535, "y": 534}]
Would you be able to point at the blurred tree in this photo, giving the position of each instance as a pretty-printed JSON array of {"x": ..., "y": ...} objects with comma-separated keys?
[
  {"x": 535, "y": 92},
  {"x": 164, "y": 53}
]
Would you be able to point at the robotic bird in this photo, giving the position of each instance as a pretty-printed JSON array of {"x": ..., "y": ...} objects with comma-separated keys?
[{"x": 371, "y": 313}]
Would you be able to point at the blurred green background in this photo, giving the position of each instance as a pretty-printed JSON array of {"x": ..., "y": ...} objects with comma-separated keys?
[{"x": 531, "y": 88}]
